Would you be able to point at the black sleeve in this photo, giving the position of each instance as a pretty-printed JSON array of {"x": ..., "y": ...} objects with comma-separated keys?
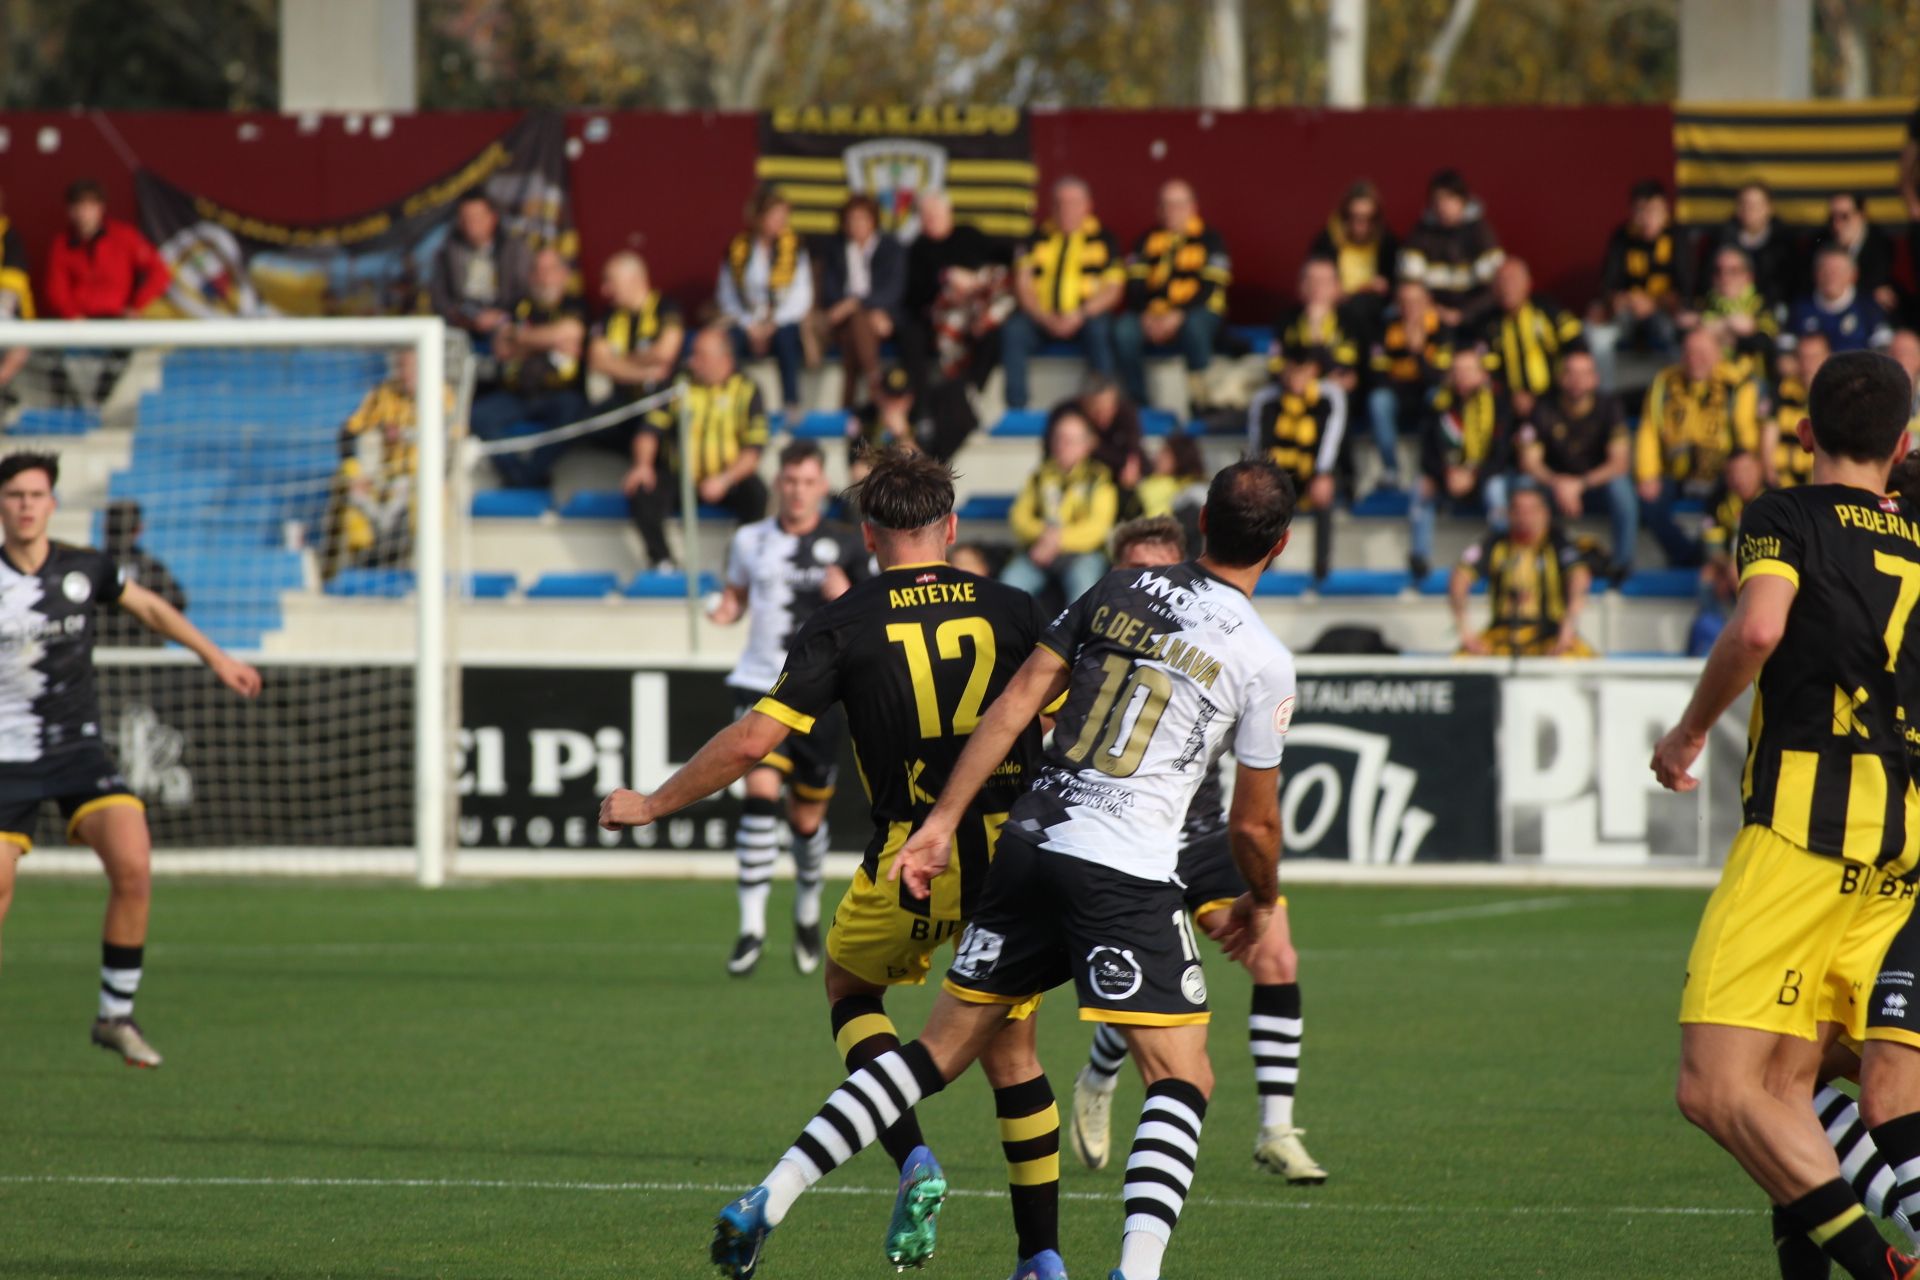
[
  {"x": 108, "y": 579},
  {"x": 810, "y": 681},
  {"x": 1772, "y": 539},
  {"x": 1613, "y": 271},
  {"x": 1066, "y": 633},
  {"x": 854, "y": 557}
]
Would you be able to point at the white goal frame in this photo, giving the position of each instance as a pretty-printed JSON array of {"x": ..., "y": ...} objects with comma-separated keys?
[{"x": 426, "y": 337}]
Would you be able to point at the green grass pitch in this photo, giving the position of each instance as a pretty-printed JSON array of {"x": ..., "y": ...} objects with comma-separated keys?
[{"x": 559, "y": 1080}]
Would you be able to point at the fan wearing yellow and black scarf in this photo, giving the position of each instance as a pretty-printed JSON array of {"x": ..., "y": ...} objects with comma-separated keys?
[
  {"x": 1176, "y": 294},
  {"x": 766, "y": 291},
  {"x": 1698, "y": 414}
]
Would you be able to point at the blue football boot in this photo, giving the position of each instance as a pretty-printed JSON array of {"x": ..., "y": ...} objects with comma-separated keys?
[
  {"x": 739, "y": 1233},
  {"x": 1045, "y": 1265},
  {"x": 916, "y": 1210}
]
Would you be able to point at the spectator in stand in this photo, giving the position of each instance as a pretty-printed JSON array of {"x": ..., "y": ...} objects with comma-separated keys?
[
  {"x": 100, "y": 268},
  {"x": 1300, "y": 421},
  {"x": 637, "y": 346},
  {"x": 1871, "y": 249},
  {"x": 1646, "y": 280},
  {"x": 1536, "y": 587},
  {"x": 1789, "y": 462},
  {"x": 1064, "y": 513},
  {"x": 726, "y": 425},
  {"x": 1577, "y": 445},
  {"x": 1409, "y": 361},
  {"x": 16, "y": 303},
  {"x": 1719, "y": 550},
  {"x": 374, "y": 488},
  {"x": 957, "y": 295},
  {"x": 1526, "y": 335},
  {"x": 765, "y": 291},
  {"x": 119, "y": 629},
  {"x": 1177, "y": 284},
  {"x": 1319, "y": 321},
  {"x": 1698, "y": 414},
  {"x": 1837, "y": 307},
  {"x": 1068, "y": 280},
  {"x": 479, "y": 273},
  {"x": 539, "y": 348},
  {"x": 1116, "y": 429},
  {"x": 1755, "y": 231},
  {"x": 1453, "y": 251},
  {"x": 1734, "y": 303},
  {"x": 1177, "y": 485},
  {"x": 863, "y": 285},
  {"x": 886, "y": 423},
  {"x": 1363, "y": 250},
  {"x": 1466, "y": 454}
]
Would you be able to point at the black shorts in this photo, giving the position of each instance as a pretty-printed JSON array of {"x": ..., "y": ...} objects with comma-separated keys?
[
  {"x": 1044, "y": 918},
  {"x": 80, "y": 781},
  {"x": 810, "y": 760},
  {"x": 1212, "y": 879},
  {"x": 1893, "y": 1010}
]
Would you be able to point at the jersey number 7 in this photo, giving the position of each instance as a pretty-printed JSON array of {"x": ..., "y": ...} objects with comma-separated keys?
[
  {"x": 1907, "y": 573},
  {"x": 912, "y": 639}
]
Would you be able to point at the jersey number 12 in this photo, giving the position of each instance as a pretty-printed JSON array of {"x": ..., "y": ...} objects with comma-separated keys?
[{"x": 912, "y": 639}]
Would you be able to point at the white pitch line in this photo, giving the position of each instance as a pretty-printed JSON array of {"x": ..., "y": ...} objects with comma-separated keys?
[
  {"x": 710, "y": 1188},
  {"x": 1510, "y": 907}
]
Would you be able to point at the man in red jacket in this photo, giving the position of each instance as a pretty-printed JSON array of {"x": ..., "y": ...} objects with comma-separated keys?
[{"x": 100, "y": 267}]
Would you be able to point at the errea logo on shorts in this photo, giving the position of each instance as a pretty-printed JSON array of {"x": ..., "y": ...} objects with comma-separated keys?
[
  {"x": 1894, "y": 1006},
  {"x": 1113, "y": 973}
]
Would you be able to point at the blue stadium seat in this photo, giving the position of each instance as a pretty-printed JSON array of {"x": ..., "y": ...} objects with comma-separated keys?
[
  {"x": 396, "y": 583},
  {"x": 658, "y": 584},
  {"x": 1283, "y": 584},
  {"x": 1364, "y": 582},
  {"x": 491, "y": 585},
  {"x": 511, "y": 504},
  {"x": 1020, "y": 424},
  {"x": 822, "y": 424},
  {"x": 1257, "y": 337},
  {"x": 595, "y": 504},
  {"x": 51, "y": 421},
  {"x": 1383, "y": 504},
  {"x": 1662, "y": 584},
  {"x": 1435, "y": 583},
  {"x": 986, "y": 506},
  {"x": 573, "y": 586},
  {"x": 1158, "y": 422}
]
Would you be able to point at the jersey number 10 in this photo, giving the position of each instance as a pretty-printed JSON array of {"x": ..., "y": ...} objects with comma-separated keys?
[
  {"x": 912, "y": 639},
  {"x": 1128, "y": 707}
]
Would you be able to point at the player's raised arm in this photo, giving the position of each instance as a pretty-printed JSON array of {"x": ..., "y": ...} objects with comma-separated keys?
[
  {"x": 1039, "y": 683},
  {"x": 724, "y": 760},
  {"x": 161, "y": 618}
]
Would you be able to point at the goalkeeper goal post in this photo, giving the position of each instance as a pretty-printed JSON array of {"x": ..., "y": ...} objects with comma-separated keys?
[{"x": 263, "y": 469}]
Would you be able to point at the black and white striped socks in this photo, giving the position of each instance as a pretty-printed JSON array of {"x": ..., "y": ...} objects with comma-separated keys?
[
  {"x": 809, "y": 874},
  {"x": 1107, "y": 1056},
  {"x": 870, "y": 1101},
  {"x": 119, "y": 979},
  {"x": 1860, "y": 1163},
  {"x": 756, "y": 847},
  {"x": 1273, "y": 1033},
  {"x": 1160, "y": 1174}
]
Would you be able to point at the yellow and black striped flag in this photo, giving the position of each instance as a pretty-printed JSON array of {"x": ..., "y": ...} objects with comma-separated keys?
[
  {"x": 979, "y": 155},
  {"x": 1804, "y": 151}
]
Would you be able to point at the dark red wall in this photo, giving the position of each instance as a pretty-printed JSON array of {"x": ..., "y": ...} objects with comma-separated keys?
[{"x": 1554, "y": 179}]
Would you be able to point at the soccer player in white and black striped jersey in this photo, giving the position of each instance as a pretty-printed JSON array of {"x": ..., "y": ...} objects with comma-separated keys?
[
  {"x": 1274, "y": 1027},
  {"x": 50, "y": 746}
]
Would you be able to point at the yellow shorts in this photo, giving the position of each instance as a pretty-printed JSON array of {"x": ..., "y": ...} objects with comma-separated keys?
[
  {"x": 877, "y": 939},
  {"x": 1789, "y": 939}
]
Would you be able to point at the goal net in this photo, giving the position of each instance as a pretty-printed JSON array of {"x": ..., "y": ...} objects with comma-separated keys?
[{"x": 284, "y": 483}]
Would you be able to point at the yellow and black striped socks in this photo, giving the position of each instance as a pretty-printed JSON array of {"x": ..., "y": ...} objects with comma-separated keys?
[
  {"x": 1832, "y": 1218},
  {"x": 1799, "y": 1257},
  {"x": 1030, "y": 1137},
  {"x": 862, "y": 1031}
]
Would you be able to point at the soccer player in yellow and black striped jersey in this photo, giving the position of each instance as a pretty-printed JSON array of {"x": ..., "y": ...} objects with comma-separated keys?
[
  {"x": 726, "y": 421},
  {"x": 913, "y": 655},
  {"x": 1830, "y": 573}
]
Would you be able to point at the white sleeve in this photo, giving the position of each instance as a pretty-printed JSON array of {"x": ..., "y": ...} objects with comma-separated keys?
[
  {"x": 1336, "y": 431},
  {"x": 739, "y": 572},
  {"x": 1266, "y": 712},
  {"x": 731, "y": 305},
  {"x": 1256, "y": 408}
]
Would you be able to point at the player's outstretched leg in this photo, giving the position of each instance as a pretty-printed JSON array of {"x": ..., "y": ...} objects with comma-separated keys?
[
  {"x": 1861, "y": 1163},
  {"x": 756, "y": 848},
  {"x": 118, "y": 833},
  {"x": 1093, "y": 1096},
  {"x": 809, "y": 876},
  {"x": 862, "y": 1032},
  {"x": 10, "y": 855}
]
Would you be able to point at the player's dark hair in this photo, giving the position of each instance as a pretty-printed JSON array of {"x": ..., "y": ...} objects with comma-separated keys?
[
  {"x": 14, "y": 463},
  {"x": 1449, "y": 181},
  {"x": 1249, "y": 506},
  {"x": 795, "y": 452},
  {"x": 85, "y": 189},
  {"x": 904, "y": 490},
  {"x": 475, "y": 196},
  {"x": 1164, "y": 530},
  {"x": 1859, "y": 404}
]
